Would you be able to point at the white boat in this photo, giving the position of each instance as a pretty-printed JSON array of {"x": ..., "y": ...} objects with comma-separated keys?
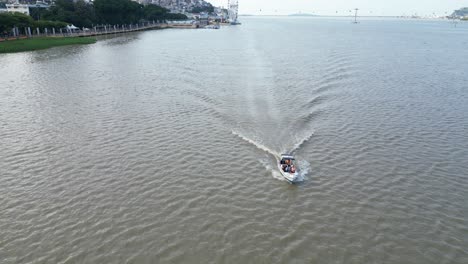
[{"x": 287, "y": 168}]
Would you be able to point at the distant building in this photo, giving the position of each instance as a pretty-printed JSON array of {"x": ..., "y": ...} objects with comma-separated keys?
[
  {"x": 3, "y": 8},
  {"x": 23, "y": 6},
  {"x": 203, "y": 20},
  {"x": 176, "y": 6},
  {"x": 39, "y": 4},
  {"x": 20, "y": 8},
  {"x": 30, "y": 2},
  {"x": 460, "y": 13},
  {"x": 143, "y": 2}
]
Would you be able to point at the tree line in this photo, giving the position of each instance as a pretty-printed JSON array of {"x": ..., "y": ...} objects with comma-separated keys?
[
  {"x": 10, "y": 20},
  {"x": 83, "y": 14}
]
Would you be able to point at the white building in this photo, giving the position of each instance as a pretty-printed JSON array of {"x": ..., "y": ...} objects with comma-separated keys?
[{"x": 20, "y": 8}]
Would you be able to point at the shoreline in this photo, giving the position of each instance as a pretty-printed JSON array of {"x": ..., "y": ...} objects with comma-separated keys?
[
  {"x": 41, "y": 43},
  {"x": 46, "y": 41}
]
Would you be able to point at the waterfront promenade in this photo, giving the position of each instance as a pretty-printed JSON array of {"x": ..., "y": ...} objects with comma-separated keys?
[{"x": 95, "y": 31}]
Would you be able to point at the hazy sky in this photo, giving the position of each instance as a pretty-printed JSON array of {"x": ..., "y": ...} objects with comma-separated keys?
[{"x": 329, "y": 7}]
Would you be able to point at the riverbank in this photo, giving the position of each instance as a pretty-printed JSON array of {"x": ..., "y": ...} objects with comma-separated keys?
[
  {"x": 48, "y": 40},
  {"x": 30, "y": 44}
]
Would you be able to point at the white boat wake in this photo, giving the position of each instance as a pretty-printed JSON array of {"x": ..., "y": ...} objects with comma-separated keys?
[
  {"x": 256, "y": 144},
  {"x": 274, "y": 171},
  {"x": 301, "y": 142},
  {"x": 304, "y": 168}
]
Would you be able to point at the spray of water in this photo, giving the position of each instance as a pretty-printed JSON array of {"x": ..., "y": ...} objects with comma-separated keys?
[
  {"x": 266, "y": 162},
  {"x": 304, "y": 168}
]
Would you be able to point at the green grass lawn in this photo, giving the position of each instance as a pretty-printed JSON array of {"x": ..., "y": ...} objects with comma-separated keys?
[{"x": 41, "y": 43}]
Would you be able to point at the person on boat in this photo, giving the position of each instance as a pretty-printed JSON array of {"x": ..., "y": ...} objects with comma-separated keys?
[{"x": 293, "y": 169}]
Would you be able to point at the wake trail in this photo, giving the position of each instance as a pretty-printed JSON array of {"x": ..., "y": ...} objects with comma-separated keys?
[
  {"x": 301, "y": 142},
  {"x": 256, "y": 144}
]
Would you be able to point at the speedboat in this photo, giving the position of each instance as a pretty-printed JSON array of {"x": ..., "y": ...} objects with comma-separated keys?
[{"x": 287, "y": 168}]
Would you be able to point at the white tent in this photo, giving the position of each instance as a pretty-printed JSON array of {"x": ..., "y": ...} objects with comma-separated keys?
[{"x": 72, "y": 27}]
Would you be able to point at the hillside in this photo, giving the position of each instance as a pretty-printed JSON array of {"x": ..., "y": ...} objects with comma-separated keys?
[{"x": 462, "y": 12}]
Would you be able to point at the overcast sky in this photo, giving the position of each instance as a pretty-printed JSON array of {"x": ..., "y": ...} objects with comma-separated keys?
[{"x": 330, "y": 7}]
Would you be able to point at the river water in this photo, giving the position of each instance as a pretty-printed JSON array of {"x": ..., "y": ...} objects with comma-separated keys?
[{"x": 159, "y": 146}]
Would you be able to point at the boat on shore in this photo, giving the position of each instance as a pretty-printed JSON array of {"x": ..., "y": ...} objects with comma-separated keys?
[{"x": 288, "y": 168}]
